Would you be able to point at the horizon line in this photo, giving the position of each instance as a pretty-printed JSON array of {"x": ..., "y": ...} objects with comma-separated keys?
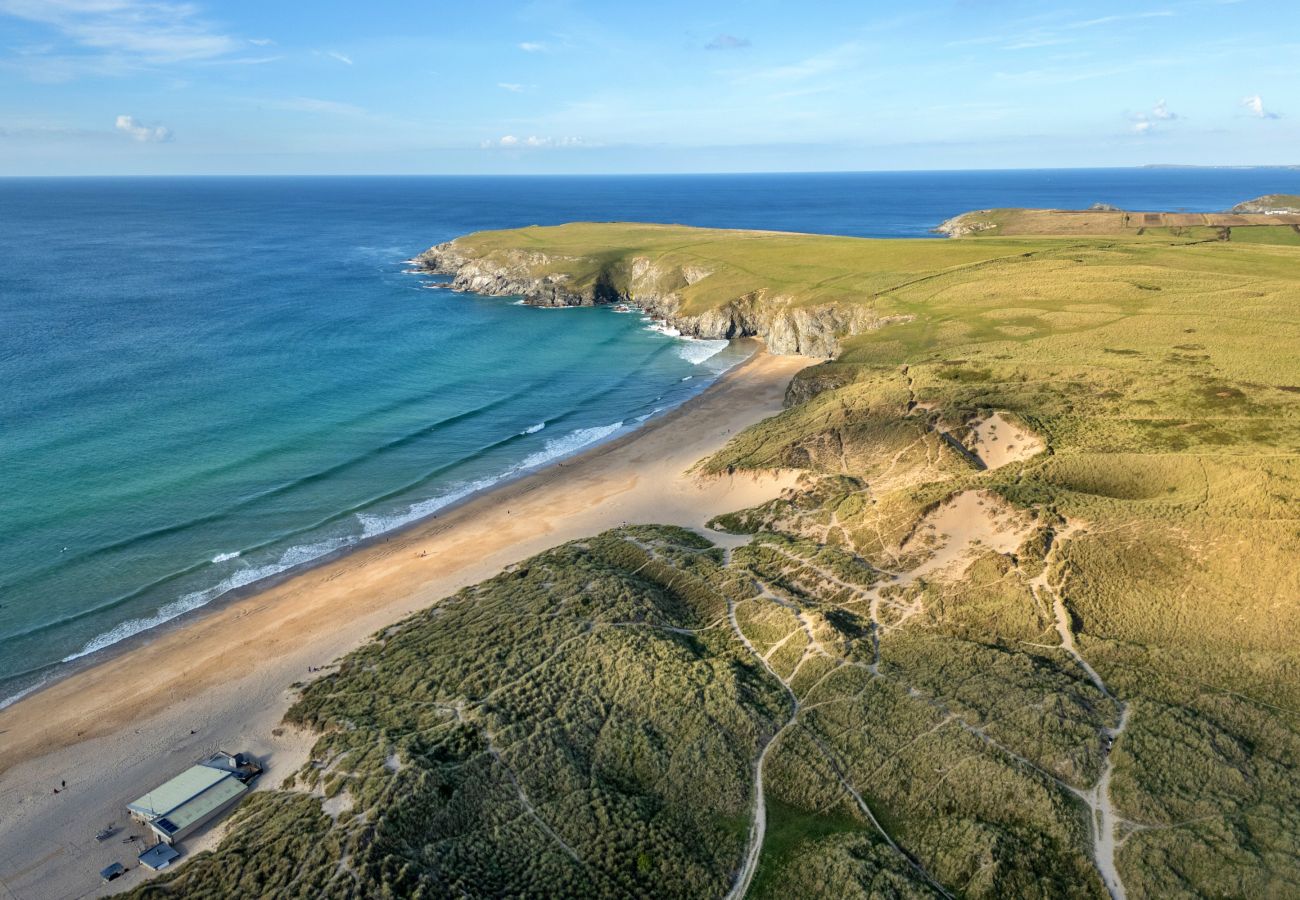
[{"x": 649, "y": 174}]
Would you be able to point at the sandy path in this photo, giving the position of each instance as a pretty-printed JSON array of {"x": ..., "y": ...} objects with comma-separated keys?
[
  {"x": 758, "y": 821},
  {"x": 224, "y": 679},
  {"x": 1104, "y": 820}
]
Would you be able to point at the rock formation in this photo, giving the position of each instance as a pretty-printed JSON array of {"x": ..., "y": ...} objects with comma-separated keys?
[{"x": 542, "y": 280}]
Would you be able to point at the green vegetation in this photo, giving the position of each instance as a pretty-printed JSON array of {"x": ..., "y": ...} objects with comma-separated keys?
[
  {"x": 1069, "y": 672},
  {"x": 1270, "y": 203},
  {"x": 1257, "y": 224},
  {"x": 706, "y": 267}
]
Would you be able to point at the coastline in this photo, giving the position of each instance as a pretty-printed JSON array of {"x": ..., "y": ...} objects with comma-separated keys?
[
  {"x": 83, "y": 662},
  {"x": 224, "y": 676}
]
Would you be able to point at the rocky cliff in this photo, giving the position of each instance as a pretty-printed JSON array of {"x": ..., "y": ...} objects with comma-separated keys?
[
  {"x": 549, "y": 280},
  {"x": 967, "y": 223}
]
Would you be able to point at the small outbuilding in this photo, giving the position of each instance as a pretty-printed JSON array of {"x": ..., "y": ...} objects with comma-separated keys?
[
  {"x": 112, "y": 873},
  {"x": 159, "y": 856}
]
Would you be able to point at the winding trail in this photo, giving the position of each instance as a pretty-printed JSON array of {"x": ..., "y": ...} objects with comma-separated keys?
[
  {"x": 758, "y": 825},
  {"x": 1103, "y": 819}
]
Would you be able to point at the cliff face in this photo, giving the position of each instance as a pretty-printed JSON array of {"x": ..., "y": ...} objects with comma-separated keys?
[{"x": 541, "y": 280}]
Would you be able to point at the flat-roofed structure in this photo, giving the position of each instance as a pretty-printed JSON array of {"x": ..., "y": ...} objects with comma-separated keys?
[
  {"x": 193, "y": 798},
  {"x": 159, "y": 856}
]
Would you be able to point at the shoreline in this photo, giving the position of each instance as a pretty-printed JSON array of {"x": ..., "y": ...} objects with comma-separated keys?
[
  {"x": 67, "y": 668},
  {"x": 224, "y": 676}
]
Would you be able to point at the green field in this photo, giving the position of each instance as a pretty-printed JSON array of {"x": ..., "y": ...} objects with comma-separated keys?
[{"x": 963, "y": 679}]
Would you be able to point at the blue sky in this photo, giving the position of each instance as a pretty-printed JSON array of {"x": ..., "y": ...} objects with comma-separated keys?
[{"x": 154, "y": 86}]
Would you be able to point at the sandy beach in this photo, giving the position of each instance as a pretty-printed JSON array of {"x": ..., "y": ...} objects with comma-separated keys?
[{"x": 224, "y": 678}]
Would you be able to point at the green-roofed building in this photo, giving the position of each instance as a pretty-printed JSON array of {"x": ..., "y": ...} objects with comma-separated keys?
[{"x": 193, "y": 798}]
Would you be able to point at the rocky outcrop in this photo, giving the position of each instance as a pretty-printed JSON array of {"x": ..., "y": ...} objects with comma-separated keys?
[
  {"x": 1270, "y": 204},
  {"x": 967, "y": 224},
  {"x": 545, "y": 280}
]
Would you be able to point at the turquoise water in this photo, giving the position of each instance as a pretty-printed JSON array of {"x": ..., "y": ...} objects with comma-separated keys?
[
  {"x": 209, "y": 381},
  {"x": 211, "y": 394}
]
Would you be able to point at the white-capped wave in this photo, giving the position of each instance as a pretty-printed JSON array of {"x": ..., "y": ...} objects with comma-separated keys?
[
  {"x": 688, "y": 378},
  {"x": 570, "y": 443},
  {"x": 14, "y": 698},
  {"x": 697, "y": 351},
  {"x": 533, "y": 429},
  {"x": 294, "y": 556},
  {"x": 664, "y": 328},
  {"x": 373, "y": 524}
]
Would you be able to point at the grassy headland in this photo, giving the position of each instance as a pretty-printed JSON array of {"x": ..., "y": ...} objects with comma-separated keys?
[{"x": 1024, "y": 629}]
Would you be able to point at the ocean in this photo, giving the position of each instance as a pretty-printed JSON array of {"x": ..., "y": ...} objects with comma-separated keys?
[{"x": 209, "y": 381}]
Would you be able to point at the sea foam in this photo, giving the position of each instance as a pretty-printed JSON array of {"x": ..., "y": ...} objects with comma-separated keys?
[
  {"x": 294, "y": 556},
  {"x": 372, "y": 525},
  {"x": 570, "y": 443},
  {"x": 697, "y": 351}
]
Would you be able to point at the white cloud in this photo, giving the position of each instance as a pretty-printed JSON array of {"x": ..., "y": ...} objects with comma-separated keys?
[
  {"x": 1255, "y": 103},
  {"x": 261, "y": 42},
  {"x": 146, "y": 134},
  {"x": 1144, "y": 122},
  {"x": 532, "y": 46},
  {"x": 511, "y": 87},
  {"x": 151, "y": 32},
  {"x": 334, "y": 54},
  {"x": 532, "y": 142}
]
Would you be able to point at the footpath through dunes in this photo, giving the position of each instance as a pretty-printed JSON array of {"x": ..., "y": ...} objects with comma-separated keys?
[
  {"x": 226, "y": 677},
  {"x": 935, "y": 665}
]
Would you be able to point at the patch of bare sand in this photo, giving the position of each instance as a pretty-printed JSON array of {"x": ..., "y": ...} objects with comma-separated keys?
[
  {"x": 998, "y": 441},
  {"x": 962, "y": 528},
  {"x": 225, "y": 679}
]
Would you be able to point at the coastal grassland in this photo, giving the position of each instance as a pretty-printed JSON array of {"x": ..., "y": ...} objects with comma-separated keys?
[
  {"x": 1025, "y": 627},
  {"x": 1163, "y": 379},
  {"x": 1225, "y": 226},
  {"x": 706, "y": 268}
]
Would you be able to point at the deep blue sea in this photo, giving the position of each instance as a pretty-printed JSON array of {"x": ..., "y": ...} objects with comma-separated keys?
[{"x": 208, "y": 381}]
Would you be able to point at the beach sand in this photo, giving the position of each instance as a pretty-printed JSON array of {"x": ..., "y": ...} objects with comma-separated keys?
[{"x": 224, "y": 678}]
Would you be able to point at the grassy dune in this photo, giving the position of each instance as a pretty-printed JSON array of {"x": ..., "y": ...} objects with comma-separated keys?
[{"x": 1069, "y": 674}]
